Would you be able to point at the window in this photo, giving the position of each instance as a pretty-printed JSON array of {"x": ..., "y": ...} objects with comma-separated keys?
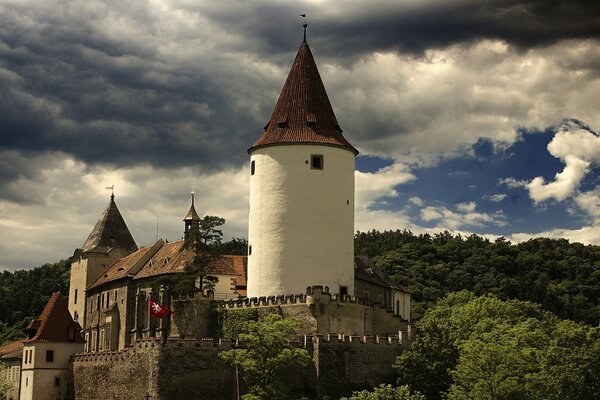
[
  {"x": 252, "y": 167},
  {"x": 316, "y": 161},
  {"x": 343, "y": 290},
  {"x": 56, "y": 381},
  {"x": 116, "y": 292},
  {"x": 26, "y": 381},
  {"x": 49, "y": 355},
  {"x": 250, "y": 250},
  {"x": 102, "y": 300},
  {"x": 75, "y": 297}
]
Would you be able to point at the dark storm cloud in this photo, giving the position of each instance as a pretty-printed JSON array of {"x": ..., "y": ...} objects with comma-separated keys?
[
  {"x": 120, "y": 83},
  {"x": 356, "y": 28}
]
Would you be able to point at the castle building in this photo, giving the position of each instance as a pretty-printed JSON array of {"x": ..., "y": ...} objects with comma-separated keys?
[
  {"x": 52, "y": 339},
  {"x": 300, "y": 263}
]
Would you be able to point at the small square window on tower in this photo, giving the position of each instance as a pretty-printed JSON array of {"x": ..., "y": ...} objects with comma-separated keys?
[
  {"x": 316, "y": 161},
  {"x": 49, "y": 355}
]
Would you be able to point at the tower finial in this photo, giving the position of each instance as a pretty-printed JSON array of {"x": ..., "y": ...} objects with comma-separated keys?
[
  {"x": 304, "y": 25},
  {"x": 112, "y": 194}
]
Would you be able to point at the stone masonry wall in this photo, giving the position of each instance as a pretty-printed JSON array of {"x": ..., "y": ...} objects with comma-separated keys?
[{"x": 191, "y": 369}]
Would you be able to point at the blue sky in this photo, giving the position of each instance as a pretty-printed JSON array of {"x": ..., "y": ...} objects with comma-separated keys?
[{"x": 471, "y": 116}]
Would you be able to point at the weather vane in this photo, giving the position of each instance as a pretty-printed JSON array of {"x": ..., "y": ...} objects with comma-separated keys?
[
  {"x": 112, "y": 190},
  {"x": 304, "y": 25}
]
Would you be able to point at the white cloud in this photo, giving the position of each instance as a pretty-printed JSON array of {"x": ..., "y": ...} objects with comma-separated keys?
[
  {"x": 496, "y": 198},
  {"x": 465, "y": 217},
  {"x": 564, "y": 183},
  {"x": 416, "y": 201},
  {"x": 466, "y": 207},
  {"x": 371, "y": 186},
  {"x": 578, "y": 148}
]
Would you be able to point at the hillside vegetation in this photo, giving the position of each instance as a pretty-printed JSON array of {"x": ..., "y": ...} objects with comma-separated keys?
[{"x": 562, "y": 277}]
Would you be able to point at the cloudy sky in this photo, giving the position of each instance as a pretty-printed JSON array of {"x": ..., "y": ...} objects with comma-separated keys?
[{"x": 472, "y": 116}]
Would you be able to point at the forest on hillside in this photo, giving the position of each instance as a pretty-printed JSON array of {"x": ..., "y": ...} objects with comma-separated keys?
[{"x": 562, "y": 277}]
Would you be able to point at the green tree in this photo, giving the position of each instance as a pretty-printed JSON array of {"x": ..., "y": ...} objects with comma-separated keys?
[
  {"x": 386, "y": 392},
  {"x": 266, "y": 354},
  {"x": 204, "y": 238}
]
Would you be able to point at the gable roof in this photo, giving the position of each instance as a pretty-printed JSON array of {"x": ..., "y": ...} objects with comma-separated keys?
[
  {"x": 110, "y": 232},
  {"x": 55, "y": 323},
  {"x": 365, "y": 270},
  {"x": 303, "y": 113},
  {"x": 128, "y": 266},
  {"x": 12, "y": 349}
]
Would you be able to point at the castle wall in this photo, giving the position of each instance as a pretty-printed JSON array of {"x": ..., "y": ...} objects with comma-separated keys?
[
  {"x": 187, "y": 369},
  {"x": 322, "y": 312}
]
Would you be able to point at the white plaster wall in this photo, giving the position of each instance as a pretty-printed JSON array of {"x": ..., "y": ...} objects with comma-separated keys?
[
  {"x": 38, "y": 376},
  {"x": 301, "y": 222}
]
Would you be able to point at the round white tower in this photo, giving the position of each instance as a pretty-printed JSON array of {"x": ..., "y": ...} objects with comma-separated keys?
[{"x": 301, "y": 223}]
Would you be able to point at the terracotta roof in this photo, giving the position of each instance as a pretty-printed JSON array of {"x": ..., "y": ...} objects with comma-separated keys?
[
  {"x": 128, "y": 266},
  {"x": 173, "y": 257},
  {"x": 55, "y": 323},
  {"x": 192, "y": 215},
  {"x": 365, "y": 270},
  {"x": 240, "y": 265},
  {"x": 12, "y": 349},
  {"x": 110, "y": 232},
  {"x": 303, "y": 113}
]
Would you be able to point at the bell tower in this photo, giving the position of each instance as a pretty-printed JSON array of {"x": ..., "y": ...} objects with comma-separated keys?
[
  {"x": 301, "y": 222},
  {"x": 109, "y": 241}
]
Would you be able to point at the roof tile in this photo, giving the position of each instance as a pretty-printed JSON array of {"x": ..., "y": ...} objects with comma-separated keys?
[{"x": 303, "y": 113}]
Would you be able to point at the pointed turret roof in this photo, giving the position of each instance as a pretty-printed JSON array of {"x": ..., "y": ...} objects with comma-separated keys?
[
  {"x": 192, "y": 215},
  {"x": 303, "y": 113},
  {"x": 55, "y": 323},
  {"x": 110, "y": 232}
]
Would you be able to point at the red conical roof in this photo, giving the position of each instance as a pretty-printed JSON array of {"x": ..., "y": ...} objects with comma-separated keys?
[
  {"x": 55, "y": 323},
  {"x": 303, "y": 113}
]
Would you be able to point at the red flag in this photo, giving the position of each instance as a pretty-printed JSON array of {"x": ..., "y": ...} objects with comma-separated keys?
[{"x": 158, "y": 311}]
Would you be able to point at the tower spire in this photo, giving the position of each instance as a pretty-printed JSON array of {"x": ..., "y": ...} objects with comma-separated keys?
[
  {"x": 304, "y": 25},
  {"x": 192, "y": 219}
]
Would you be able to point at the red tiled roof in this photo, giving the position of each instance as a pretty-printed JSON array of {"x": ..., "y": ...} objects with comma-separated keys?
[
  {"x": 12, "y": 349},
  {"x": 240, "y": 265},
  {"x": 173, "y": 257},
  {"x": 55, "y": 323},
  {"x": 303, "y": 113},
  {"x": 126, "y": 266}
]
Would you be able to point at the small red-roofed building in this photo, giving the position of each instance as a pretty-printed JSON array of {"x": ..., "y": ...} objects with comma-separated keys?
[
  {"x": 10, "y": 355},
  {"x": 52, "y": 339}
]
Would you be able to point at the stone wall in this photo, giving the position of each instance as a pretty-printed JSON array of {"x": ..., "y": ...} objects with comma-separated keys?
[
  {"x": 191, "y": 369},
  {"x": 323, "y": 312}
]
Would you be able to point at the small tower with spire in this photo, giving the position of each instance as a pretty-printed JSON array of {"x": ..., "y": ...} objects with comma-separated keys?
[
  {"x": 301, "y": 221},
  {"x": 191, "y": 220},
  {"x": 109, "y": 241}
]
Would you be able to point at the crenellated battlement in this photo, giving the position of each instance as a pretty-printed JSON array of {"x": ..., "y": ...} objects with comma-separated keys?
[
  {"x": 314, "y": 294},
  {"x": 305, "y": 341}
]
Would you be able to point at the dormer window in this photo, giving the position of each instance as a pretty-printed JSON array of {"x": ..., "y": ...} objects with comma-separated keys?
[{"x": 311, "y": 120}]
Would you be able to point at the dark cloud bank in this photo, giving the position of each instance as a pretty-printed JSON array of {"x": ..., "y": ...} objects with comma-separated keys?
[{"x": 66, "y": 85}]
